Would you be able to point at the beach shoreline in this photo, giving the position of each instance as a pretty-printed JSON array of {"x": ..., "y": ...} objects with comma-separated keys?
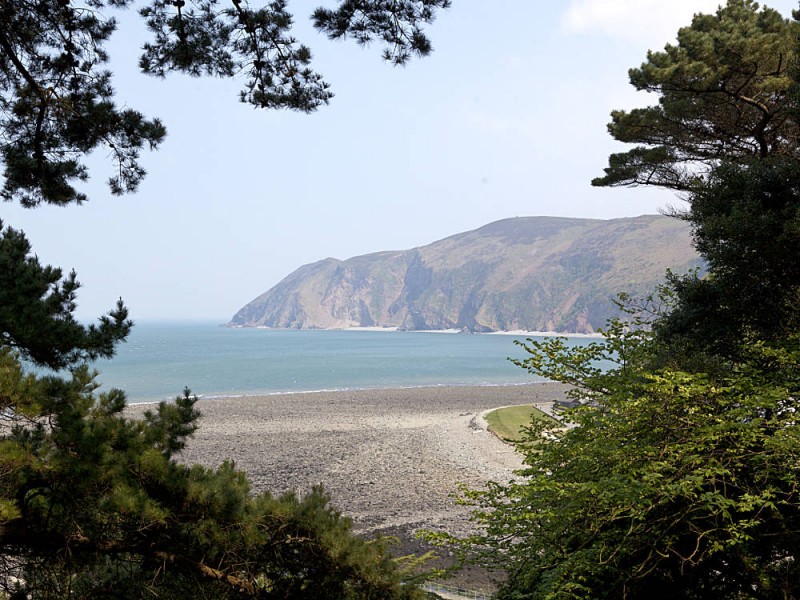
[
  {"x": 266, "y": 394},
  {"x": 390, "y": 458}
]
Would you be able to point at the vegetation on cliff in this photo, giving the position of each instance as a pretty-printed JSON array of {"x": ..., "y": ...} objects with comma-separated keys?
[{"x": 526, "y": 273}]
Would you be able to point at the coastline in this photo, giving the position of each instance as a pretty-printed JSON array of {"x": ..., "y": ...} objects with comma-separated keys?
[
  {"x": 267, "y": 394},
  {"x": 390, "y": 458},
  {"x": 290, "y": 440},
  {"x": 158, "y": 362},
  {"x": 394, "y": 329}
]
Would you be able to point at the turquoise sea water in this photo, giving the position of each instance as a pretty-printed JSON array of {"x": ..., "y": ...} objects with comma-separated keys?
[{"x": 160, "y": 359}]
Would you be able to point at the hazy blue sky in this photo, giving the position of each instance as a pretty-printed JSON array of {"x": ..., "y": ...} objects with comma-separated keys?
[{"x": 506, "y": 118}]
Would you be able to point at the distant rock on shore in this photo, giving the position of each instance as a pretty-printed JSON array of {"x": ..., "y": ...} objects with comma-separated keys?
[{"x": 526, "y": 273}]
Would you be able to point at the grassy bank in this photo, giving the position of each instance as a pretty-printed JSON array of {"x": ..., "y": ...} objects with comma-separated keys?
[{"x": 507, "y": 423}]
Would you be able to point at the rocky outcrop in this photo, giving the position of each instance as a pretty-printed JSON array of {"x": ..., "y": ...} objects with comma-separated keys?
[{"x": 528, "y": 273}]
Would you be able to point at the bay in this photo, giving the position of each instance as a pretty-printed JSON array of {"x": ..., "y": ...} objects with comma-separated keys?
[{"x": 159, "y": 359}]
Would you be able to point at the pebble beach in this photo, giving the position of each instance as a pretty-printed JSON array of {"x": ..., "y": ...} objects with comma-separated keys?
[{"x": 390, "y": 458}]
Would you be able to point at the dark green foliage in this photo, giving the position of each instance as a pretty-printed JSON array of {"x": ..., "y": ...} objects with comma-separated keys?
[
  {"x": 679, "y": 476},
  {"x": 671, "y": 484},
  {"x": 394, "y": 23},
  {"x": 56, "y": 100},
  {"x": 202, "y": 38},
  {"x": 36, "y": 305},
  {"x": 746, "y": 223},
  {"x": 724, "y": 94},
  {"x": 58, "y": 105},
  {"x": 94, "y": 504}
]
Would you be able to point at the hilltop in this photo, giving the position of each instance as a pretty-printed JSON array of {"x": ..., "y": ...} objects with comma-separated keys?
[{"x": 525, "y": 273}]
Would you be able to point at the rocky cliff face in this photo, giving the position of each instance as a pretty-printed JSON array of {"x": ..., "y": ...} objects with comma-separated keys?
[{"x": 528, "y": 273}]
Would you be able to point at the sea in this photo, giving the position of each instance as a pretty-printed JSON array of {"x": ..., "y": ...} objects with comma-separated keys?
[{"x": 160, "y": 359}]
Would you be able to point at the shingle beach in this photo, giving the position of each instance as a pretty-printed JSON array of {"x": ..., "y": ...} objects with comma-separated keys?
[{"x": 390, "y": 458}]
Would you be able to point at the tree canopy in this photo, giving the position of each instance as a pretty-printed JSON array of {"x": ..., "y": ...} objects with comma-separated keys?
[
  {"x": 724, "y": 94},
  {"x": 57, "y": 103},
  {"x": 94, "y": 503},
  {"x": 36, "y": 311},
  {"x": 677, "y": 477},
  {"x": 746, "y": 224},
  {"x": 671, "y": 484}
]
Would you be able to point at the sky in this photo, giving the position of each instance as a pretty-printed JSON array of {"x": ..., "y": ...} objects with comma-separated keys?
[{"x": 507, "y": 117}]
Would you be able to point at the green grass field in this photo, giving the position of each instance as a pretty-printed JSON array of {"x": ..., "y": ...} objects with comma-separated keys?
[{"x": 507, "y": 423}]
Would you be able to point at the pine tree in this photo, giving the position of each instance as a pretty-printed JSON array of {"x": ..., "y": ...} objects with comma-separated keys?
[
  {"x": 94, "y": 504},
  {"x": 58, "y": 104},
  {"x": 679, "y": 477},
  {"x": 724, "y": 94}
]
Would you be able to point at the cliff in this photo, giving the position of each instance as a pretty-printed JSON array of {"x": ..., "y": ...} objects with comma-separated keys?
[{"x": 527, "y": 273}]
